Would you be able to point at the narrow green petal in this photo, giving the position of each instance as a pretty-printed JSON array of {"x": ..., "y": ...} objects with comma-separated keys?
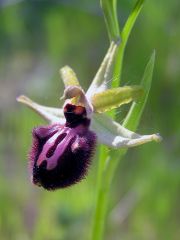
[
  {"x": 134, "y": 115},
  {"x": 52, "y": 115},
  {"x": 113, "y": 98},
  {"x": 68, "y": 76}
]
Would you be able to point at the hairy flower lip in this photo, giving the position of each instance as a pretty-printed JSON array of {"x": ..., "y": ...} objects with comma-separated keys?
[{"x": 60, "y": 155}]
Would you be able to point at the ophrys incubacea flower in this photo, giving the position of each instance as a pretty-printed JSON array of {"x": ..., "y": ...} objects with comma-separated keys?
[{"x": 62, "y": 151}]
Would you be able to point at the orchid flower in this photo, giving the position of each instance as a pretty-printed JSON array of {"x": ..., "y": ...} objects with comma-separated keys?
[{"x": 62, "y": 151}]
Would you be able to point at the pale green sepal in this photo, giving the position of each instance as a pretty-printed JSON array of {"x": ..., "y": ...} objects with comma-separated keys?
[
  {"x": 104, "y": 75},
  {"x": 52, "y": 115},
  {"x": 114, "y": 135},
  {"x": 68, "y": 76},
  {"x": 113, "y": 98}
]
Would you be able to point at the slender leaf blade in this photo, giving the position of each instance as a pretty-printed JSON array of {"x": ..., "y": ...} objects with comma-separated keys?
[
  {"x": 131, "y": 20},
  {"x": 124, "y": 38},
  {"x": 133, "y": 117},
  {"x": 109, "y": 8}
]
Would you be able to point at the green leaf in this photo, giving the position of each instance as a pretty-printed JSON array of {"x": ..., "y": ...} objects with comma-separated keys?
[
  {"x": 113, "y": 98},
  {"x": 133, "y": 117},
  {"x": 131, "y": 20},
  {"x": 109, "y": 8},
  {"x": 124, "y": 38}
]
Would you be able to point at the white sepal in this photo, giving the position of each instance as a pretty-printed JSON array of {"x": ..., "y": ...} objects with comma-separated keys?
[
  {"x": 114, "y": 135},
  {"x": 52, "y": 115}
]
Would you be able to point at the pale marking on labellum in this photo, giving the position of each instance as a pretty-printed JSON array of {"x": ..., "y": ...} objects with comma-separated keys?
[{"x": 59, "y": 150}]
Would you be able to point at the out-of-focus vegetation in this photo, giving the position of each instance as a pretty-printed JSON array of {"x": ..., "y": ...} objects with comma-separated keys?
[{"x": 36, "y": 39}]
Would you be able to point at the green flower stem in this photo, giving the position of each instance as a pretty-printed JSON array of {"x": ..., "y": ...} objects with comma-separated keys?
[
  {"x": 100, "y": 204},
  {"x": 108, "y": 165},
  {"x": 107, "y": 173}
]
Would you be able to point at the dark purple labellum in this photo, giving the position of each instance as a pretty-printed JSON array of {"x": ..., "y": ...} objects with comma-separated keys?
[{"x": 61, "y": 154}]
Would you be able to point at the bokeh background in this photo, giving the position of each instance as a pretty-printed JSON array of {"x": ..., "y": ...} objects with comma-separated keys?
[{"x": 36, "y": 39}]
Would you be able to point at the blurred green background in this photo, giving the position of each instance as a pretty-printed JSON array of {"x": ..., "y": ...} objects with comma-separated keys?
[{"x": 36, "y": 39}]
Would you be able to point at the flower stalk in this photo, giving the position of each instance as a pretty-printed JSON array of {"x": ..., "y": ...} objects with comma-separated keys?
[{"x": 108, "y": 163}]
